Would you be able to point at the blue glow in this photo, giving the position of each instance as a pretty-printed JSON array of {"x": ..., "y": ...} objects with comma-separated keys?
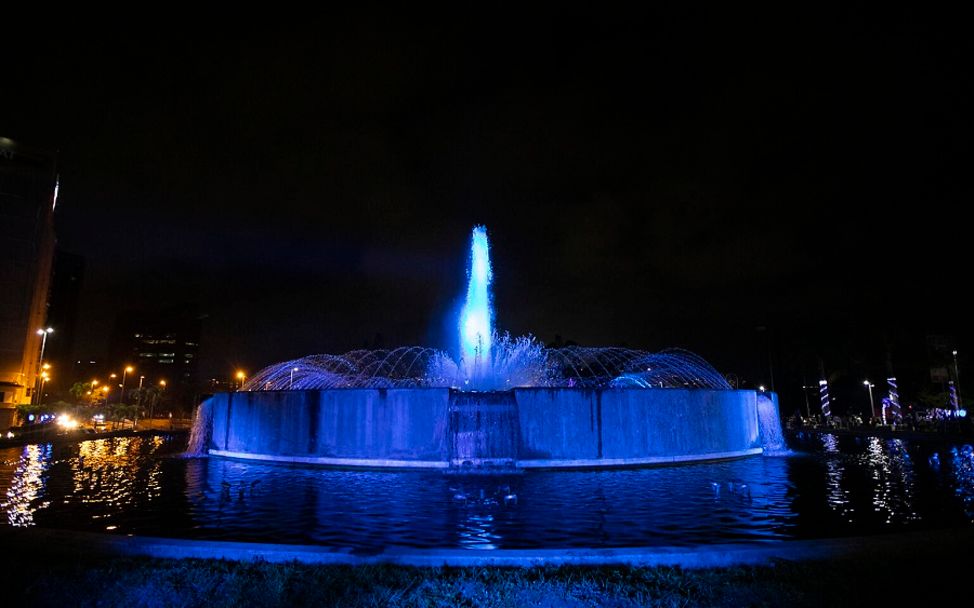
[
  {"x": 823, "y": 392},
  {"x": 477, "y": 315},
  {"x": 894, "y": 397},
  {"x": 490, "y": 361}
]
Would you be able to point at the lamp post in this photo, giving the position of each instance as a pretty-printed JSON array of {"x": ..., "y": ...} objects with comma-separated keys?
[
  {"x": 162, "y": 389},
  {"x": 242, "y": 377},
  {"x": 44, "y": 379},
  {"x": 128, "y": 369},
  {"x": 291, "y": 383},
  {"x": 960, "y": 403},
  {"x": 872, "y": 406},
  {"x": 808, "y": 406},
  {"x": 43, "y": 333}
]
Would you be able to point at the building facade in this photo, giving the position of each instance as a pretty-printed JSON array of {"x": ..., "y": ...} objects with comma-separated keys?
[
  {"x": 28, "y": 196},
  {"x": 160, "y": 346}
]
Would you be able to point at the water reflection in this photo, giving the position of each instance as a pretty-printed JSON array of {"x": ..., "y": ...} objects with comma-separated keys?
[
  {"x": 962, "y": 469},
  {"x": 25, "y": 492},
  {"x": 480, "y": 502},
  {"x": 872, "y": 482},
  {"x": 94, "y": 479},
  {"x": 836, "y": 494},
  {"x": 839, "y": 485},
  {"x": 116, "y": 472},
  {"x": 891, "y": 472},
  {"x": 664, "y": 506}
]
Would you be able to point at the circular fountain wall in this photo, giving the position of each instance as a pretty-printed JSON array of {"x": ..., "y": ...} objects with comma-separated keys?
[
  {"x": 523, "y": 427},
  {"x": 501, "y": 402}
]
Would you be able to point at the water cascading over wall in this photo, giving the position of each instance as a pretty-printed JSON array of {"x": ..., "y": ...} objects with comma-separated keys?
[
  {"x": 483, "y": 429},
  {"x": 201, "y": 434},
  {"x": 769, "y": 419},
  {"x": 526, "y": 427}
]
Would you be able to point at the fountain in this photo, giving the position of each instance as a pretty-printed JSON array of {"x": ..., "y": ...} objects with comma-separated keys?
[{"x": 503, "y": 403}]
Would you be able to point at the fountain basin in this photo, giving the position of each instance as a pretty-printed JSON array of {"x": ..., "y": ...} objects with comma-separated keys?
[{"x": 525, "y": 428}]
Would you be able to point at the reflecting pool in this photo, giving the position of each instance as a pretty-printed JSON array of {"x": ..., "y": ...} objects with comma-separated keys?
[{"x": 829, "y": 487}]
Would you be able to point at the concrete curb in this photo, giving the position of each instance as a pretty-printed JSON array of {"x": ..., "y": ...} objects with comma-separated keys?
[
  {"x": 379, "y": 463},
  {"x": 70, "y": 543}
]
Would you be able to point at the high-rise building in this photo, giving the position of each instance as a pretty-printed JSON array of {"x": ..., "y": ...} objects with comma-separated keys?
[
  {"x": 160, "y": 345},
  {"x": 28, "y": 196}
]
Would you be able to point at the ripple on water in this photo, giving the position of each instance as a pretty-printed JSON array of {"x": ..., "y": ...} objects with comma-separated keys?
[{"x": 132, "y": 485}]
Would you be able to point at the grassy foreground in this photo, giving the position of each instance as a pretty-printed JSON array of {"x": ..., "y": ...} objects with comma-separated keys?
[{"x": 132, "y": 582}]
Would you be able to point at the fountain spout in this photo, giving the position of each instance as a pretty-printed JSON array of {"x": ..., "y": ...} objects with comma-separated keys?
[{"x": 477, "y": 315}]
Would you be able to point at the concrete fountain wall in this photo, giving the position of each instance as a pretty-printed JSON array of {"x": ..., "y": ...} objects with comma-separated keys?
[{"x": 529, "y": 427}]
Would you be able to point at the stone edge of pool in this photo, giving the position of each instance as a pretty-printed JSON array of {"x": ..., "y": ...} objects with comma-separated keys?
[{"x": 89, "y": 544}]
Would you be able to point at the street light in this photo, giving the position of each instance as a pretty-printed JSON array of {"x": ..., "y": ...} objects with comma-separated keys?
[
  {"x": 872, "y": 407},
  {"x": 43, "y": 333},
  {"x": 293, "y": 369},
  {"x": 960, "y": 403},
  {"x": 128, "y": 369},
  {"x": 45, "y": 378},
  {"x": 241, "y": 377}
]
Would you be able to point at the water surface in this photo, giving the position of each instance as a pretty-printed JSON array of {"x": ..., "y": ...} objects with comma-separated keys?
[{"x": 830, "y": 487}]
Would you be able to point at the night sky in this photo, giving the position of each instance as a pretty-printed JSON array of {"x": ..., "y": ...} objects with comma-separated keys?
[{"x": 669, "y": 180}]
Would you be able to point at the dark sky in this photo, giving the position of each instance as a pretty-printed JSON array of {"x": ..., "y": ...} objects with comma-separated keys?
[{"x": 664, "y": 180}]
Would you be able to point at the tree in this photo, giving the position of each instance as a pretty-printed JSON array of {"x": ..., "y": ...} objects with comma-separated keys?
[
  {"x": 80, "y": 391},
  {"x": 120, "y": 411},
  {"x": 150, "y": 399},
  {"x": 87, "y": 393}
]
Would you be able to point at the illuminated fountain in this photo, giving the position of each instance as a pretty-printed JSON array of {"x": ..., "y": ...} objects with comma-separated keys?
[{"x": 502, "y": 402}]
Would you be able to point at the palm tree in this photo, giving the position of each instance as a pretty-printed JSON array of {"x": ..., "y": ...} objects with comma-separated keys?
[
  {"x": 151, "y": 397},
  {"x": 79, "y": 390}
]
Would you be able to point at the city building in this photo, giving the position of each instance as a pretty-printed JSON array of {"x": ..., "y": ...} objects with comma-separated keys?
[
  {"x": 28, "y": 196},
  {"x": 160, "y": 346}
]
